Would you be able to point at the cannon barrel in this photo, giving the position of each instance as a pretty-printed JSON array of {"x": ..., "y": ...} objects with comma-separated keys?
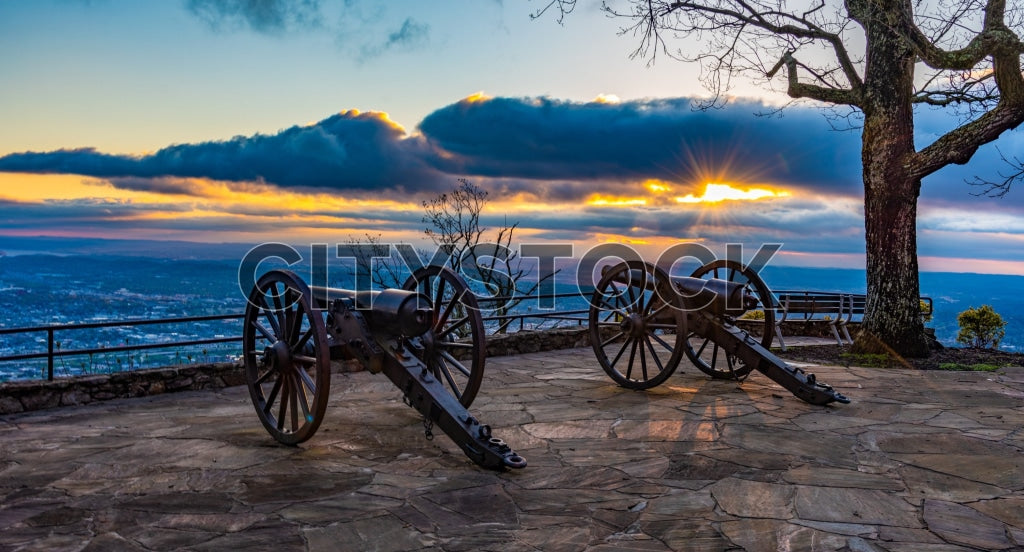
[
  {"x": 391, "y": 311},
  {"x": 719, "y": 297}
]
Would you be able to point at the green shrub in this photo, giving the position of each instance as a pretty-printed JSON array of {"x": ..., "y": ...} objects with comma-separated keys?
[
  {"x": 753, "y": 315},
  {"x": 926, "y": 313},
  {"x": 981, "y": 327}
]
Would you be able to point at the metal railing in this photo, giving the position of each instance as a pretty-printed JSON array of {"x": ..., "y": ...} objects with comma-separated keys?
[
  {"x": 505, "y": 321},
  {"x": 50, "y": 355},
  {"x": 494, "y": 324},
  {"x": 501, "y": 323}
]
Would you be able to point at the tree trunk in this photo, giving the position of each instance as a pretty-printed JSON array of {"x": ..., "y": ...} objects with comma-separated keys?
[{"x": 892, "y": 319}]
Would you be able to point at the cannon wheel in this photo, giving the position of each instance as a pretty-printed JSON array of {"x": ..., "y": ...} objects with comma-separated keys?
[
  {"x": 455, "y": 346},
  {"x": 716, "y": 362},
  {"x": 287, "y": 359},
  {"x": 637, "y": 330}
]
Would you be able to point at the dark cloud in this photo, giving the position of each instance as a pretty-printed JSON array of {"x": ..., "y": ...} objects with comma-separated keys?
[
  {"x": 67, "y": 214},
  {"x": 411, "y": 33},
  {"x": 410, "y": 36},
  {"x": 348, "y": 151},
  {"x": 546, "y": 152},
  {"x": 540, "y": 149},
  {"x": 567, "y": 150},
  {"x": 364, "y": 29},
  {"x": 109, "y": 216},
  {"x": 835, "y": 228},
  {"x": 263, "y": 16},
  {"x": 558, "y": 190},
  {"x": 630, "y": 222},
  {"x": 86, "y": 161},
  {"x": 160, "y": 185},
  {"x": 546, "y": 139}
]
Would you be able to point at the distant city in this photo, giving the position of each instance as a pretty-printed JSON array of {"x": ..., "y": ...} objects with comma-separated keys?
[{"x": 59, "y": 281}]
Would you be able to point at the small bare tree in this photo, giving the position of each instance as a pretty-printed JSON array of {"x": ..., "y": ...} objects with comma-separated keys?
[
  {"x": 453, "y": 220},
  {"x": 877, "y": 60},
  {"x": 376, "y": 261}
]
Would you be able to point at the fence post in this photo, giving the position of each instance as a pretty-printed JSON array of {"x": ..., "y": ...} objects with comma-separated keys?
[{"x": 49, "y": 354}]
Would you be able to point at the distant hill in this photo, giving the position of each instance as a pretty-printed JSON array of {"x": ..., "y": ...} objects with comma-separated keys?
[{"x": 17, "y": 245}]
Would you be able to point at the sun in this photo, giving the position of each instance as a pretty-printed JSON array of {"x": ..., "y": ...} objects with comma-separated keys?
[{"x": 715, "y": 192}]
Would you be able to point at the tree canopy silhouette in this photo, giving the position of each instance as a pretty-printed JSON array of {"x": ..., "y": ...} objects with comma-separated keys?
[{"x": 876, "y": 60}]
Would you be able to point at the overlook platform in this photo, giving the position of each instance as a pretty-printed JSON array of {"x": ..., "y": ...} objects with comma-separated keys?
[{"x": 919, "y": 461}]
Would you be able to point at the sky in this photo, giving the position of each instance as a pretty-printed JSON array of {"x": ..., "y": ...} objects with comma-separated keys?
[{"x": 320, "y": 121}]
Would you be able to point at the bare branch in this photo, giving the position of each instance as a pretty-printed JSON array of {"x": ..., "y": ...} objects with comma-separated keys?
[
  {"x": 454, "y": 218},
  {"x": 738, "y": 36},
  {"x": 960, "y": 144},
  {"x": 827, "y": 94},
  {"x": 1000, "y": 189},
  {"x": 968, "y": 50},
  {"x": 565, "y": 7},
  {"x": 994, "y": 36},
  {"x": 960, "y": 88},
  {"x": 454, "y": 221},
  {"x": 375, "y": 260}
]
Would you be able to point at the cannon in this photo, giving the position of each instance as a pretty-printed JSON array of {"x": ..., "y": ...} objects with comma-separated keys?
[
  {"x": 643, "y": 321},
  {"x": 427, "y": 338}
]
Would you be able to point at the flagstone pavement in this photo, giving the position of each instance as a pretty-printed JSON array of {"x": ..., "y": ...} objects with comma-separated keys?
[{"x": 918, "y": 462}]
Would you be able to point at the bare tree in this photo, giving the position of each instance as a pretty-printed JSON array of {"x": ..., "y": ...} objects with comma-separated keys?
[
  {"x": 454, "y": 223},
  {"x": 376, "y": 262},
  {"x": 454, "y": 219},
  {"x": 879, "y": 59}
]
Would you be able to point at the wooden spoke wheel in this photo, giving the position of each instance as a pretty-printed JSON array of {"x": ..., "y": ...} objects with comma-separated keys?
[
  {"x": 287, "y": 358},
  {"x": 454, "y": 348},
  {"x": 637, "y": 325},
  {"x": 707, "y": 355}
]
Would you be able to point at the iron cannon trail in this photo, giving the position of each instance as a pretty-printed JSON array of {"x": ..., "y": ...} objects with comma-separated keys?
[
  {"x": 427, "y": 338},
  {"x": 642, "y": 322}
]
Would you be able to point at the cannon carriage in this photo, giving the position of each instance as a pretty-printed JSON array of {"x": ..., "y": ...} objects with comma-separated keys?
[
  {"x": 427, "y": 338},
  {"x": 642, "y": 322}
]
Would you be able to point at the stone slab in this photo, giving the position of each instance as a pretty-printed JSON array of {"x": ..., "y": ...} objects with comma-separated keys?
[{"x": 919, "y": 462}]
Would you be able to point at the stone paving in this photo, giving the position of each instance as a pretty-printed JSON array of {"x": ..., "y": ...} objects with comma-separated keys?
[{"x": 919, "y": 462}]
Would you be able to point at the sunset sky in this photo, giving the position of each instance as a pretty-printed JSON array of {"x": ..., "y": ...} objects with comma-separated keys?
[{"x": 318, "y": 120}]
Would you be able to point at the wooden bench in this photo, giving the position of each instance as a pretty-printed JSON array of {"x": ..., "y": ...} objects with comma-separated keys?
[
  {"x": 836, "y": 308},
  {"x": 854, "y": 312},
  {"x": 809, "y": 306}
]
